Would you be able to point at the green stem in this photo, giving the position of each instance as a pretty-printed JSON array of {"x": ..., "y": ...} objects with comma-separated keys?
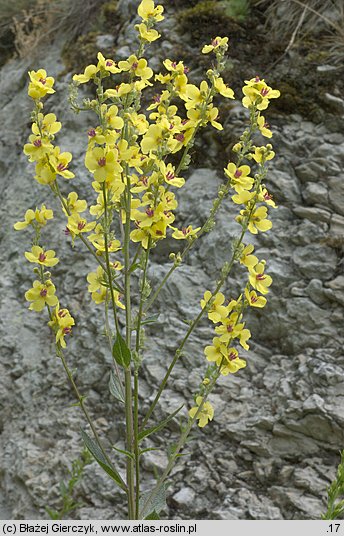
[
  {"x": 56, "y": 190},
  {"x": 179, "y": 446},
  {"x": 136, "y": 383},
  {"x": 80, "y": 398},
  {"x": 189, "y": 332},
  {"x": 128, "y": 386}
]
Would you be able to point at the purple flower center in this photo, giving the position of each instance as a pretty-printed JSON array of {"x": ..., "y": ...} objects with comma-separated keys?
[
  {"x": 254, "y": 299},
  {"x": 37, "y": 143},
  {"x": 43, "y": 81},
  {"x": 91, "y": 133},
  {"x": 66, "y": 231},
  {"x": 61, "y": 167},
  {"x": 170, "y": 176},
  {"x": 215, "y": 42},
  {"x": 62, "y": 313},
  {"x": 102, "y": 161},
  {"x": 43, "y": 292},
  {"x": 186, "y": 70},
  {"x": 180, "y": 137},
  {"x": 134, "y": 65},
  {"x": 185, "y": 230},
  {"x": 232, "y": 356},
  {"x": 267, "y": 196},
  {"x": 81, "y": 225},
  {"x": 237, "y": 173},
  {"x": 260, "y": 277},
  {"x": 109, "y": 63},
  {"x": 264, "y": 91},
  {"x": 257, "y": 79},
  {"x": 42, "y": 257},
  {"x": 67, "y": 331},
  {"x": 150, "y": 212},
  {"x": 229, "y": 328},
  {"x": 174, "y": 64}
]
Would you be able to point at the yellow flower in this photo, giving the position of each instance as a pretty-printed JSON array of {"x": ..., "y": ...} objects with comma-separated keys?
[
  {"x": 216, "y": 352},
  {"x": 45, "y": 173},
  {"x": 112, "y": 117},
  {"x": 40, "y": 216},
  {"x": 48, "y": 125},
  {"x": 223, "y": 89},
  {"x": 40, "y": 295},
  {"x": 40, "y": 84},
  {"x": 98, "y": 241},
  {"x": 258, "y": 221},
  {"x": 247, "y": 258},
  {"x": 205, "y": 415},
  {"x": 217, "y": 311},
  {"x": 239, "y": 177},
  {"x": 42, "y": 257},
  {"x": 232, "y": 363},
  {"x": 74, "y": 204},
  {"x": 107, "y": 64},
  {"x": 61, "y": 323},
  {"x": 89, "y": 73},
  {"x": 140, "y": 235},
  {"x": 230, "y": 329},
  {"x": 243, "y": 198},
  {"x": 153, "y": 138},
  {"x": 137, "y": 67},
  {"x": 185, "y": 232},
  {"x": 258, "y": 279},
  {"x": 218, "y": 42},
  {"x": 102, "y": 163},
  {"x": 147, "y": 11},
  {"x": 60, "y": 162},
  {"x": 37, "y": 148},
  {"x": 264, "y": 127},
  {"x": 258, "y": 93},
  {"x": 119, "y": 91},
  {"x": 78, "y": 225},
  {"x": 262, "y": 154},
  {"x": 254, "y": 300},
  {"x": 169, "y": 175},
  {"x": 147, "y": 35},
  {"x": 195, "y": 96},
  {"x": 264, "y": 196}
]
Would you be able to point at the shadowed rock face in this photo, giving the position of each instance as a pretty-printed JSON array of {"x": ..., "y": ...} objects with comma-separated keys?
[{"x": 273, "y": 445}]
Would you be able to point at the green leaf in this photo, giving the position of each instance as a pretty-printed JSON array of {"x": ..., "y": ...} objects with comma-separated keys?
[
  {"x": 147, "y": 450},
  {"x": 134, "y": 267},
  {"x": 100, "y": 458},
  {"x": 151, "y": 319},
  {"x": 121, "y": 352},
  {"x": 153, "y": 515},
  {"x": 115, "y": 387},
  {"x": 125, "y": 452},
  {"x": 153, "y": 505},
  {"x": 162, "y": 424}
]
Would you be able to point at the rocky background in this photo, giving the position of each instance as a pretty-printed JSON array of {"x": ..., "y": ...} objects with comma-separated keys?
[{"x": 273, "y": 446}]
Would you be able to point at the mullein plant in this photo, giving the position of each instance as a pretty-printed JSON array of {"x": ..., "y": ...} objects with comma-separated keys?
[{"x": 134, "y": 182}]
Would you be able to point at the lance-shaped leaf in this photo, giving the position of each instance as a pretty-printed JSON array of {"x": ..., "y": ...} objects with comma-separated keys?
[
  {"x": 153, "y": 502},
  {"x": 151, "y": 319},
  {"x": 100, "y": 458},
  {"x": 115, "y": 387},
  {"x": 159, "y": 426},
  {"x": 121, "y": 352}
]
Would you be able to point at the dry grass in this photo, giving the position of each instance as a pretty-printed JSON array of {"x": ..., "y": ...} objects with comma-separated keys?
[
  {"x": 293, "y": 21},
  {"x": 25, "y": 24}
]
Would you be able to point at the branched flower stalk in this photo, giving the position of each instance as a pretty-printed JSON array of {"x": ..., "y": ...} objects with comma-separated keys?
[{"x": 134, "y": 182}]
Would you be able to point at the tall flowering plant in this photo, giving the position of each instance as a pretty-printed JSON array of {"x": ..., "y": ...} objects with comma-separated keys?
[{"x": 136, "y": 185}]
